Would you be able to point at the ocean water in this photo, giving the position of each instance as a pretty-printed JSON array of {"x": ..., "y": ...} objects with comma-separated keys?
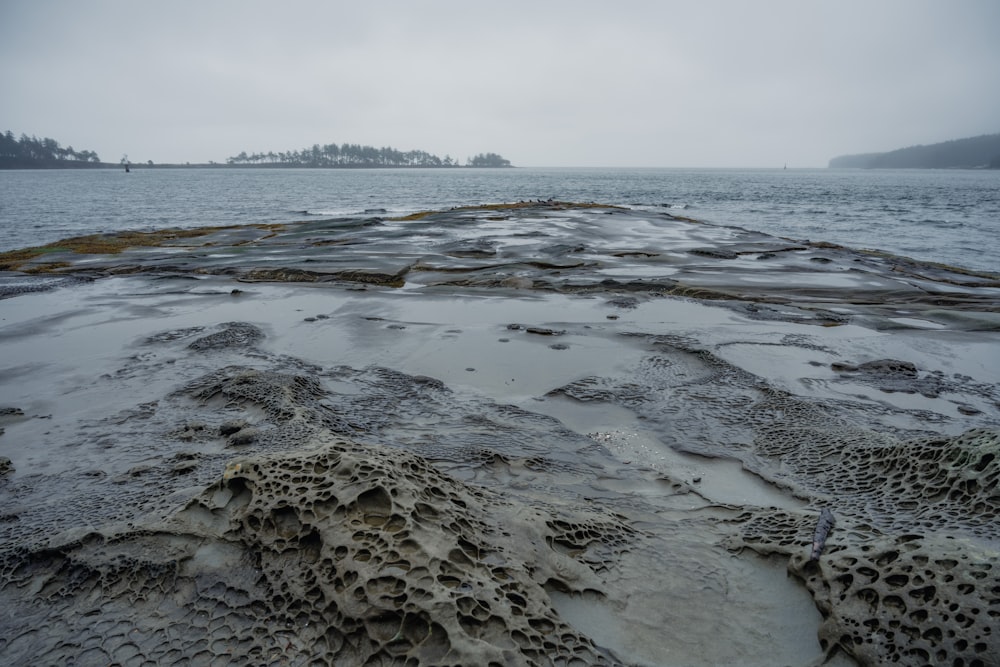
[{"x": 948, "y": 216}]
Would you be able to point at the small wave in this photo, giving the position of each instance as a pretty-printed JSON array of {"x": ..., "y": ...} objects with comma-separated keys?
[
  {"x": 675, "y": 207},
  {"x": 945, "y": 224},
  {"x": 815, "y": 212},
  {"x": 936, "y": 223},
  {"x": 340, "y": 213}
]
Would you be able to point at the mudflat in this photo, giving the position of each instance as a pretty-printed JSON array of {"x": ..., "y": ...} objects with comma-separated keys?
[{"x": 538, "y": 433}]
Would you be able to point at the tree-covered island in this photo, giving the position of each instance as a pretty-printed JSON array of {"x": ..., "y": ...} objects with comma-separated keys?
[{"x": 355, "y": 155}]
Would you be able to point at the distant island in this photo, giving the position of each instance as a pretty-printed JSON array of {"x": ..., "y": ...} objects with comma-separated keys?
[
  {"x": 982, "y": 152},
  {"x": 34, "y": 153},
  {"x": 354, "y": 155}
]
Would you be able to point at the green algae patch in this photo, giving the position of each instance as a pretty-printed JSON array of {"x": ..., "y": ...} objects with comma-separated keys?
[
  {"x": 13, "y": 259},
  {"x": 550, "y": 204},
  {"x": 290, "y": 275},
  {"x": 48, "y": 267},
  {"x": 100, "y": 244}
]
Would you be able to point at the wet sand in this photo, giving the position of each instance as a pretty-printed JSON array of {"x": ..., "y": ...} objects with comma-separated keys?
[{"x": 543, "y": 434}]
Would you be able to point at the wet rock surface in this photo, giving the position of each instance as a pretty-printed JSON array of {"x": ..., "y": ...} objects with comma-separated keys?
[
  {"x": 580, "y": 249},
  {"x": 315, "y": 474}
]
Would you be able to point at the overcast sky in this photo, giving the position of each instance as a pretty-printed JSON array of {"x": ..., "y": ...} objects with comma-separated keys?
[{"x": 706, "y": 83}]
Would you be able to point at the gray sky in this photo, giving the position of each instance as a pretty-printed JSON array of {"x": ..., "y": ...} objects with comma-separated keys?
[{"x": 712, "y": 83}]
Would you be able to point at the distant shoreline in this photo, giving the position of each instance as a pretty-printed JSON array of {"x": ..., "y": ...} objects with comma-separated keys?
[
  {"x": 105, "y": 166},
  {"x": 209, "y": 165}
]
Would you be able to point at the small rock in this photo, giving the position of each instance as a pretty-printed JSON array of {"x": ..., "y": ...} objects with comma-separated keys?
[
  {"x": 191, "y": 431},
  {"x": 843, "y": 367},
  {"x": 243, "y": 437},
  {"x": 235, "y": 335},
  {"x": 230, "y": 427},
  {"x": 133, "y": 472},
  {"x": 183, "y": 467},
  {"x": 890, "y": 367},
  {"x": 716, "y": 253},
  {"x": 624, "y": 302}
]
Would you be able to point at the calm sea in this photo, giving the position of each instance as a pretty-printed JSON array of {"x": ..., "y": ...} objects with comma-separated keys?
[{"x": 950, "y": 216}]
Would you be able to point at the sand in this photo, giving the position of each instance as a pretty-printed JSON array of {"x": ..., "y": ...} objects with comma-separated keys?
[{"x": 539, "y": 435}]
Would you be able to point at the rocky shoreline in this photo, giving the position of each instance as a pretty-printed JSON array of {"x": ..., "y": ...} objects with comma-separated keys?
[{"x": 530, "y": 434}]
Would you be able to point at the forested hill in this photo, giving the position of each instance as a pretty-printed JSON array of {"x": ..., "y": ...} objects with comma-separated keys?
[{"x": 974, "y": 152}]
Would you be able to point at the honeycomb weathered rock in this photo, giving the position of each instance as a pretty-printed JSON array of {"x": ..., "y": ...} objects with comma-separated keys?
[
  {"x": 336, "y": 554},
  {"x": 908, "y": 600},
  {"x": 909, "y": 574}
]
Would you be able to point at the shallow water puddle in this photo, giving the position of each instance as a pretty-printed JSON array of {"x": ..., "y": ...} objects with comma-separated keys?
[
  {"x": 682, "y": 611},
  {"x": 715, "y": 480}
]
